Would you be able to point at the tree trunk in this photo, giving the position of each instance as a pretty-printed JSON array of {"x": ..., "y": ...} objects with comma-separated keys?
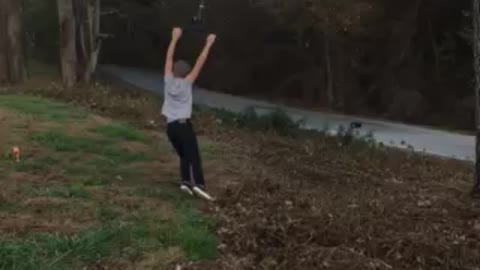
[
  {"x": 328, "y": 65},
  {"x": 3, "y": 42},
  {"x": 88, "y": 42},
  {"x": 11, "y": 55},
  {"x": 80, "y": 32},
  {"x": 398, "y": 47},
  {"x": 14, "y": 27},
  {"x": 435, "y": 50},
  {"x": 476, "y": 49},
  {"x": 68, "y": 53},
  {"x": 93, "y": 43}
]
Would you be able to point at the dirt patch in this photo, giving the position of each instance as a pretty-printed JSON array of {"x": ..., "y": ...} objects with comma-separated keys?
[
  {"x": 76, "y": 210},
  {"x": 154, "y": 207},
  {"x": 20, "y": 224},
  {"x": 121, "y": 198},
  {"x": 12, "y": 186},
  {"x": 45, "y": 201},
  {"x": 12, "y": 124},
  {"x": 83, "y": 128},
  {"x": 219, "y": 176},
  {"x": 158, "y": 170},
  {"x": 159, "y": 260},
  {"x": 18, "y": 126},
  {"x": 97, "y": 120},
  {"x": 319, "y": 206},
  {"x": 21, "y": 177},
  {"x": 135, "y": 147}
]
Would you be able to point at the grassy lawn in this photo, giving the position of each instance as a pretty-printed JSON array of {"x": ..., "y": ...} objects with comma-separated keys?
[{"x": 91, "y": 192}]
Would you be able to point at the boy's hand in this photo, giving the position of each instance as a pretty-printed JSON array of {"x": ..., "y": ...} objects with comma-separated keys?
[
  {"x": 176, "y": 33},
  {"x": 211, "y": 39}
]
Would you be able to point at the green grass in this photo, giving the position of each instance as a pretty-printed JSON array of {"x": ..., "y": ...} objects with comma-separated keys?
[
  {"x": 102, "y": 171},
  {"x": 163, "y": 192},
  {"x": 106, "y": 214},
  {"x": 92, "y": 181},
  {"x": 59, "y": 252},
  {"x": 42, "y": 108},
  {"x": 208, "y": 150},
  {"x": 120, "y": 131},
  {"x": 73, "y": 191},
  {"x": 277, "y": 120},
  {"x": 8, "y": 207},
  {"x": 59, "y": 141},
  {"x": 192, "y": 233},
  {"x": 35, "y": 166},
  {"x": 122, "y": 156},
  {"x": 30, "y": 166},
  {"x": 97, "y": 160},
  {"x": 78, "y": 191}
]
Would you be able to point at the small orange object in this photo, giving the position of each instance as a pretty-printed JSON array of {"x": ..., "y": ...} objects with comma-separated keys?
[{"x": 16, "y": 153}]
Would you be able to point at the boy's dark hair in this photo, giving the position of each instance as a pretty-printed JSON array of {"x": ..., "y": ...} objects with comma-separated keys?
[{"x": 181, "y": 68}]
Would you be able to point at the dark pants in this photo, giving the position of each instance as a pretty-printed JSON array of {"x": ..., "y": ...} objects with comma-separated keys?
[{"x": 183, "y": 138}]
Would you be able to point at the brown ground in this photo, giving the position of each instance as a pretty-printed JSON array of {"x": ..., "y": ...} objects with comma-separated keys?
[{"x": 307, "y": 203}]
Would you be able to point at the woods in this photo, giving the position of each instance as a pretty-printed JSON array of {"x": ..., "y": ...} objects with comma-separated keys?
[
  {"x": 389, "y": 59},
  {"x": 346, "y": 140},
  {"x": 398, "y": 60},
  {"x": 379, "y": 58}
]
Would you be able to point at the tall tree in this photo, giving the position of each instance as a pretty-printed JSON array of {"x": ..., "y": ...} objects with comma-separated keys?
[
  {"x": 68, "y": 55},
  {"x": 80, "y": 39},
  {"x": 476, "y": 50},
  {"x": 322, "y": 27},
  {"x": 11, "y": 55}
]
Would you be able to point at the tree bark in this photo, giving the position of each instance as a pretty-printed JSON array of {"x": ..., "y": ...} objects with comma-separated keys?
[
  {"x": 14, "y": 25},
  {"x": 3, "y": 42},
  {"x": 398, "y": 47},
  {"x": 93, "y": 43},
  {"x": 476, "y": 49},
  {"x": 435, "y": 50},
  {"x": 88, "y": 42},
  {"x": 11, "y": 49},
  {"x": 328, "y": 65},
  {"x": 68, "y": 54},
  {"x": 80, "y": 42}
]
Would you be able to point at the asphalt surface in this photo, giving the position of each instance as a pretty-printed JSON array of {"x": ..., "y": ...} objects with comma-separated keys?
[{"x": 416, "y": 138}]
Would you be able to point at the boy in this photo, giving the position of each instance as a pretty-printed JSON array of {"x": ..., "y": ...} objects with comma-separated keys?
[{"x": 177, "y": 108}]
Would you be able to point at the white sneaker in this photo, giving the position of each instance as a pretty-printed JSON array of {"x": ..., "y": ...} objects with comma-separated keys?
[
  {"x": 186, "y": 189},
  {"x": 202, "y": 194}
]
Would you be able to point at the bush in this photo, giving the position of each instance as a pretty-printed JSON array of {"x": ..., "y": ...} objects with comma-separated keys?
[{"x": 277, "y": 120}]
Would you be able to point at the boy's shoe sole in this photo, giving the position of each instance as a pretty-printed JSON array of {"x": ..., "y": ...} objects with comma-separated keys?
[
  {"x": 202, "y": 194},
  {"x": 186, "y": 189}
]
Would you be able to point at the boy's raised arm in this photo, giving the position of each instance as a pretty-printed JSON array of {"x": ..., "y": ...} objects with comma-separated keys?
[
  {"x": 192, "y": 77},
  {"x": 176, "y": 34}
]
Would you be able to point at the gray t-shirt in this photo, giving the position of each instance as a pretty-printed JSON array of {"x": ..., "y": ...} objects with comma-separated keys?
[{"x": 177, "y": 102}]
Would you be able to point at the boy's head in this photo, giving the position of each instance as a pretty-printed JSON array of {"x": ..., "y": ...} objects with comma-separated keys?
[{"x": 181, "y": 69}]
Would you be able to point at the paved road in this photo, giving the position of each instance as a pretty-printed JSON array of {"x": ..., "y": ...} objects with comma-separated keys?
[{"x": 431, "y": 141}]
